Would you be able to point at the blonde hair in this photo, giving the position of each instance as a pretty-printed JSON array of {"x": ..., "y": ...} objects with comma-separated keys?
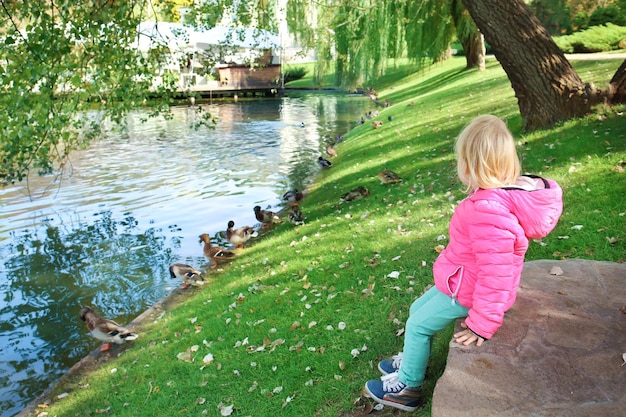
[{"x": 486, "y": 154}]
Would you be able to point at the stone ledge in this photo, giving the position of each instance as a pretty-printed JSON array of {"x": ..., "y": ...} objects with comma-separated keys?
[{"x": 558, "y": 353}]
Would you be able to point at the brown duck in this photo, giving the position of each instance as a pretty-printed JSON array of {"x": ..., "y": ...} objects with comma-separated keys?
[
  {"x": 214, "y": 253},
  {"x": 266, "y": 217}
]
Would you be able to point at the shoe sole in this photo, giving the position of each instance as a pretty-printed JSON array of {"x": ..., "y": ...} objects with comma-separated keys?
[{"x": 402, "y": 407}]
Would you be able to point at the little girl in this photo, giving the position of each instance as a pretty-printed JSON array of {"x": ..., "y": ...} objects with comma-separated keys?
[{"x": 477, "y": 275}]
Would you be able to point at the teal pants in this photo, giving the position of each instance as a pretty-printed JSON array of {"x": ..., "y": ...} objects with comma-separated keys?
[{"x": 429, "y": 314}]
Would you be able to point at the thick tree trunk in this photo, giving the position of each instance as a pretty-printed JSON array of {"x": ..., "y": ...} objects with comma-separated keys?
[
  {"x": 618, "y": 85},
  {"x": 547, "y": 88},
  {"x": 475, "y": 51}
]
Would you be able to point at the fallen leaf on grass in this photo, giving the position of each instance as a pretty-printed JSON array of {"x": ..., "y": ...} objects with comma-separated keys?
[
  {"x": 393, "y": 274},
  {"x": 185, "y": 356},
  {"x": 225, "y": 410}
]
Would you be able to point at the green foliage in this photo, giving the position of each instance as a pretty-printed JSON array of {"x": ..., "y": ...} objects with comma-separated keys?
[
  {"x": 255, "y": 13},
  {"x": 60, "y": 63},
  {"x": 554, "y": 15},
  {"x": 580, "y": 21},
  {"x": 270, "y": 320},
  {"x": 595, "y": 39},
  {"x": 294, "y": 73},
  {"x": 610, "y": 14},
  {"x": 362, "y": 36}
]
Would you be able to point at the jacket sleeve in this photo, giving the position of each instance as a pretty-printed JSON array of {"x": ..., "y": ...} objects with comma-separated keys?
[{"x": 493, "y": 233}]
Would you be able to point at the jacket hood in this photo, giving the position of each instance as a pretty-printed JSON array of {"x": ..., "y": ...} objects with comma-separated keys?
[{"x": 536, "y": 202}]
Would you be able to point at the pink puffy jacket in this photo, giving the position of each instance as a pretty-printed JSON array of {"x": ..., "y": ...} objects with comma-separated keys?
[{"x": 489, "y": 233}]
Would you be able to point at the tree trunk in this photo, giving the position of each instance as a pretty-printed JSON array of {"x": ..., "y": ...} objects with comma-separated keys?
[
  {"x": 547, "y": 88},
  {"x": 618, "y": 85},
  {"x": 475, "y": 51}
]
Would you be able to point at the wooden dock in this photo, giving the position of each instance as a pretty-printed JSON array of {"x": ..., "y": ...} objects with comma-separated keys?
[{"x": 213, "y": 91}]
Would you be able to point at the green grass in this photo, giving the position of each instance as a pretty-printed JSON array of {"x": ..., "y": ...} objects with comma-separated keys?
[{"x": 271, "y": 319}]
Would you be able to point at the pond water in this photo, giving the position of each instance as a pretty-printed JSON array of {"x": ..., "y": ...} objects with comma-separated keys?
[{"x": 105, "y": 232}]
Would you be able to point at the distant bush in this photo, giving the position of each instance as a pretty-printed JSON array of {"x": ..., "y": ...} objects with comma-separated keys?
[
  {"x": 603, "y": 38},
  {"x": 609, "y": 14},
  {"x": 294, "y": 73}
]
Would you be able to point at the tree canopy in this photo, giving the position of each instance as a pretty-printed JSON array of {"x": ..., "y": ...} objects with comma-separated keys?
[
  {"x": 67, "y": 66},
  {"x": 64, "y": 68}
]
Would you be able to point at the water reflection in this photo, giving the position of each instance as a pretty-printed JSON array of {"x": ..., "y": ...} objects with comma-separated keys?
[{"x": 105, "y": 232}]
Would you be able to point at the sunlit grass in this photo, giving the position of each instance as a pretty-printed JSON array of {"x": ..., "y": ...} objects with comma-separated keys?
[{"x": 273, "y": 319}]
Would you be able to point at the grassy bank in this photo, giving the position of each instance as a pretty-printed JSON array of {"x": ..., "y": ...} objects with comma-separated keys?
[{"x": 296, "y": 324}]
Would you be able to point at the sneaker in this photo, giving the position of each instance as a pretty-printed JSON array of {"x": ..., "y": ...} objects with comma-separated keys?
[
  {"x": 390, "y": 391},
  {"x": 389, "y": 366}
]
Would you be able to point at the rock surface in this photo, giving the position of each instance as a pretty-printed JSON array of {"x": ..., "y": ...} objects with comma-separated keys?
[{"x": 558, "y": 353}]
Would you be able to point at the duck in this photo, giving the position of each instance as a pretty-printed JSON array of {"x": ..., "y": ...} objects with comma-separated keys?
[
  {"x": 340, "y": 138},
  {"x": 331, "y": 151},
  {"x": 266, "y": 217},
  {"x": 105, "y": 330},
  {"x": 295, "y": 216},
  {"x": 324, "y": 163},
  {"x": 376, "y": 124},
  {"x": 301, "y": 124},
  {"x": 239, "y": 236},
  {"x": 387, "y": 176},
  {"x": 358, "y": 192},
  {"x": 215, "y": 254},
  {"x": 293, "y": 197},
  {"x": 189, "y": 275}
]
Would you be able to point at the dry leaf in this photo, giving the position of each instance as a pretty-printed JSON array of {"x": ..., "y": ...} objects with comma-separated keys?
[
  {"x": 185, "y": 356},
  {"x": 393, "y": 274},
  {"x": 556, "y": 271},
  {"x": 225, "y": 410},
  {"x": 208, "y": 359}
]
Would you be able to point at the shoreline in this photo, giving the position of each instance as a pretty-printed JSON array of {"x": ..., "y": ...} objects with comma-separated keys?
[{"x": 95, "y": 357}]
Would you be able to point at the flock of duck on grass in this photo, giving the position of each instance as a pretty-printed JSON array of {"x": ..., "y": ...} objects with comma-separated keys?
[{"x": 109, "y": 331}]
